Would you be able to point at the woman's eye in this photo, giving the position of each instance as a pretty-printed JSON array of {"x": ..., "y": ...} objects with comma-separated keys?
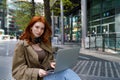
[
  {"x": 37, "y": 26},
  {"x": 42, "y": 28}
]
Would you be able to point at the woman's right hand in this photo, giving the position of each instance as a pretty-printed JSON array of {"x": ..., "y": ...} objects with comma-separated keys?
[
  {"x": 42, "y": 72},
  {"x": 52, "y": 64}
]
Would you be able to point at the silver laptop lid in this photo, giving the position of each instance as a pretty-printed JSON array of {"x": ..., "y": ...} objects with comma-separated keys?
[{"x": 66, "y": 58}]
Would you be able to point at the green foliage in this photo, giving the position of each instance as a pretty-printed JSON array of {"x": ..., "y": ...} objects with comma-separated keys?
[
  {"x": 39, "y": 9},
  {"x": 3, "y": 5},
  {"x": 23, "y": 13},
  {"x": 67, "y": 5}
]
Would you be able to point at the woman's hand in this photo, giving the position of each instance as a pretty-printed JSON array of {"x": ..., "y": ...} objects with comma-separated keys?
[
  {"x": 42, "y": 73},
  {"x": 52, "y": 64}
]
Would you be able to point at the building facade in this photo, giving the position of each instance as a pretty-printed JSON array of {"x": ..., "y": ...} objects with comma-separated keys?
[
  {"x": 103, "y": 20},
  {"x": 2, "y": 15},
  {"x": 7, "y": 18}
]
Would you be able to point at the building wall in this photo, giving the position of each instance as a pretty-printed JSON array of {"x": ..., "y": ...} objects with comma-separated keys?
[
  {"x": 104, "y": 19},
  {"x": 2, "y": 15},
  {"x": 101, "y": 13}
]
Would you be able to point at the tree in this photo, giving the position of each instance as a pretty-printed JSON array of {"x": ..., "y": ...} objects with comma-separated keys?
[
  {"x": 67, "y": 5},
  {"x": 47, "y": 11},
  {"x": 22, "y": 13},
  {"x": 33, "y": 8},
  {"x": 39, "y": 9}
]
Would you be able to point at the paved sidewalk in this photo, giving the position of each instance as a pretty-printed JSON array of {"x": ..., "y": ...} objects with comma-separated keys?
[
  {"x": 110, "y": 56},
  {"x": 5, "y": 68},
  {"x": 103, "y": 55},
  {"x": 108, "y": 68}
]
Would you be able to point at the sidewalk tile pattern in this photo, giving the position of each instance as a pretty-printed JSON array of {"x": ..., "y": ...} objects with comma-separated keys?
[{"x": 98, "y": 70}]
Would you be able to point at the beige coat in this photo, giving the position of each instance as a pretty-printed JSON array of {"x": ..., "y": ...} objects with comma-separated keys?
[{"x": 25, "y": 61}]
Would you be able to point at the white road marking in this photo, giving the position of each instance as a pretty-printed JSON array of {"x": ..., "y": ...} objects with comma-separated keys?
[{"x": 84, "y": 57}]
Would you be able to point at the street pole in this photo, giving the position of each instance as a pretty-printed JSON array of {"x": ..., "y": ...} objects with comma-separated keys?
[
  {"x": 62, "y": 26},
  {"x": 52, "y": 24},
  {"x": 83, "y": 20},
  {"x": 7, "y": 52}
]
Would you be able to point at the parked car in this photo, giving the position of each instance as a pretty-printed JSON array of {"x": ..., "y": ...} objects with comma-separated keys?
[{"x": 4, "y": 37}]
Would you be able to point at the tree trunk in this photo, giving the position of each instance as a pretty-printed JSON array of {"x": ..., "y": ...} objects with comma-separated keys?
[
  {"x": 47, "y": 11},
  {"x": 33, "y": 8}
]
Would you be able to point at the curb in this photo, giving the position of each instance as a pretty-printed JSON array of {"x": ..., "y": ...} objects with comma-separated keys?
[{"x": 102, "y": 55}]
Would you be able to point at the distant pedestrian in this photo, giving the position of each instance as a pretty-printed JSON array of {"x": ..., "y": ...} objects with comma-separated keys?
[
  {"x": 17, "y": 37},
  {"x": 33, "y": 54}
]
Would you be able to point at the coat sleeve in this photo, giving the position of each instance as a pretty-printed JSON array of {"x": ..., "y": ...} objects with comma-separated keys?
[{"x": 20, "y": 70}]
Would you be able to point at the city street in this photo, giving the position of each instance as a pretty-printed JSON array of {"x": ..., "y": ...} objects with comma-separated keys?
[
  {"x": 92, "y": 68},
  {"x": 6, "y": 52},
  {"x": 7, "y": 47},
  {"x": 88, "y": 67},
  {"x": 91, "y": 25}
]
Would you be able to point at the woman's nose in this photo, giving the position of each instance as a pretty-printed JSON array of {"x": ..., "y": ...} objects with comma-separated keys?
[{"x": 39, "y": 30}]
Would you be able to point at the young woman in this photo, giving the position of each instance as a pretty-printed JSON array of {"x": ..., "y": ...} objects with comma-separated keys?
[{"x": 33, "y": 54}]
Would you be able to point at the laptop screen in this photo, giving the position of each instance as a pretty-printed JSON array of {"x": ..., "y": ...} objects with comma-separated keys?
[{"x": 66, "y": 58}]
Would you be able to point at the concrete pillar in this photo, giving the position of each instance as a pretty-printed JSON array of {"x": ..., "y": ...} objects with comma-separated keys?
[
  {"x": 62, "y": 20},
  {"x": 83, "y": 20},
  {"x": 53, "y": 24}
]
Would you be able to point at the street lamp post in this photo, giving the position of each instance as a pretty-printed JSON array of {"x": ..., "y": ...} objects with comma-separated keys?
[
  {"x": 83, "y": 20},
  {"x": 62, "y": 27},
  {"x": 7, "y": 52},
  {"x": 7, "y": 26}
]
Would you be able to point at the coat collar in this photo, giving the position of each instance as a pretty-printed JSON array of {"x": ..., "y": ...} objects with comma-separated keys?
[
  {"x": 33, "y": 53},
  {"x": 42, "y": 45},
  {"x": 46, "y": 47}
]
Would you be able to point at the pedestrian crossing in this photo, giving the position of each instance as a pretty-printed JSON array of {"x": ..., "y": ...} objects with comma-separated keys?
[{"x": 98, "y": 68}]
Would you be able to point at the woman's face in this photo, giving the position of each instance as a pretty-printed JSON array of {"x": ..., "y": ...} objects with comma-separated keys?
[{"x": 38, "y": 29}]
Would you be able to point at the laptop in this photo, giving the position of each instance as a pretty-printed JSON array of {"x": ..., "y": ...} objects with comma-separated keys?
[{"x": 65, "y": 59}]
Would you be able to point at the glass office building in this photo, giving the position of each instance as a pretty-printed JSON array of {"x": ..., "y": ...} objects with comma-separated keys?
[
  {"x": 103, "y": 16},
  {"x": 103, "y": 20}
]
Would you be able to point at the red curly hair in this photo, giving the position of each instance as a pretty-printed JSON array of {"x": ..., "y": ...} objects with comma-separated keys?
[{"x": 28, "y": 35}]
